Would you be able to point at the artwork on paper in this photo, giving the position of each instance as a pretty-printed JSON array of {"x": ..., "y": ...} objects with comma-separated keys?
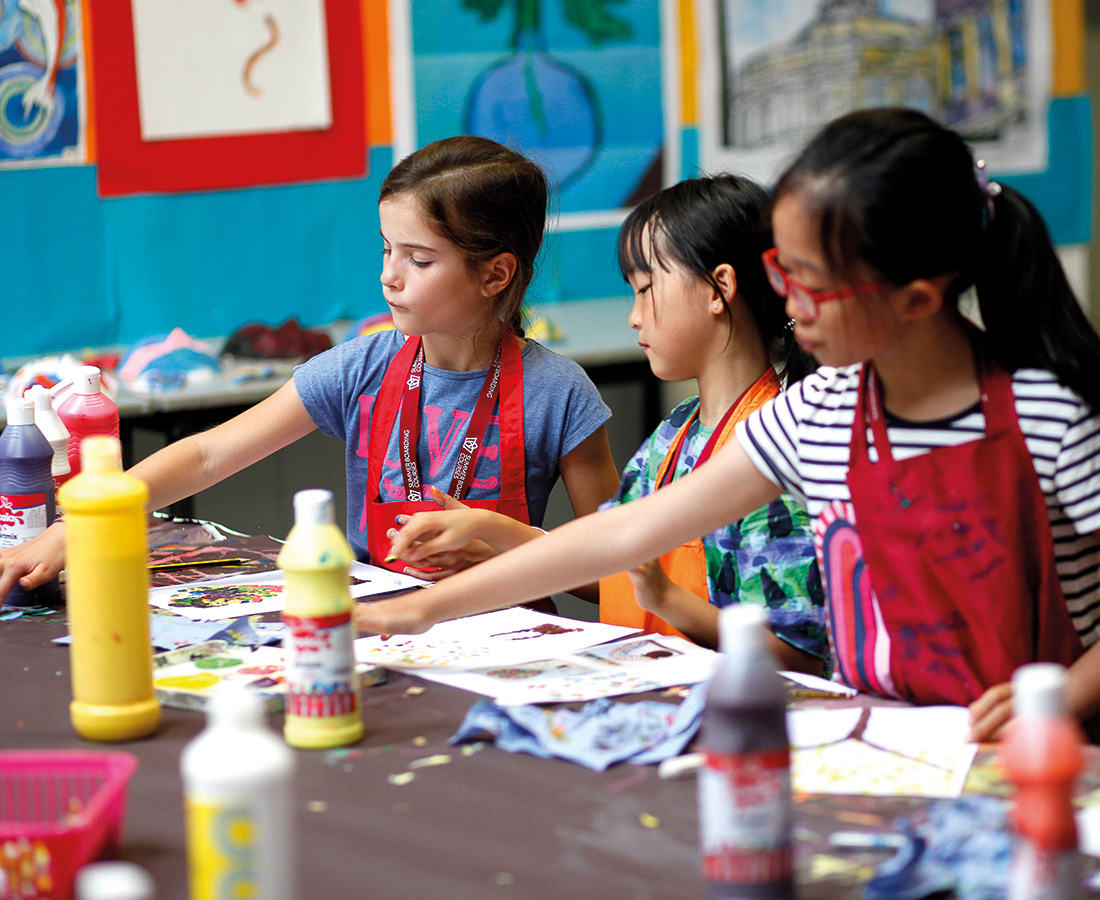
[
  {"x": 575, "y": 84},
  {"x": 881, "y": 751},
  {"x": 778, "y": 70},
  {"x": 41, "y": 83},
  {"x": 218, "y": 94},
  {"x": 508, "y": 637},
  {"x": 629, "y": 665},
  {"x": 210, "y": 68},
  {"x": 223, "y": 598}
]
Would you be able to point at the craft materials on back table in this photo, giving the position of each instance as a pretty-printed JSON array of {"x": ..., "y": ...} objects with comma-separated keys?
[{"x": 107, "y": 592}]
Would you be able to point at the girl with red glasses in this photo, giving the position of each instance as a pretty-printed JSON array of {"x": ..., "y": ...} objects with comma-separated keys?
[{"x": 953, "y": 468}]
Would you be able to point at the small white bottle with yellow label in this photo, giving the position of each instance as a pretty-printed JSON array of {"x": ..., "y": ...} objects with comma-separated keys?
[
  {"x": 322, "y": 703},
  {"x": 238, "y": 792}
]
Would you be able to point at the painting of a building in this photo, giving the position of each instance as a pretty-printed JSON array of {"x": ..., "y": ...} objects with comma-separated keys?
[
  {"x": 849, "y": 55},
  {"x": 981, "y": 65}
]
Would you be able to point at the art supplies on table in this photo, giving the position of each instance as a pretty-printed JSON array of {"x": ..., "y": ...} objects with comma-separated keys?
[
  {"x": 629, "y": 665},
  {"x": 237, "y": 595},
  {"x": 505, "y": 637},
  {"x": 187, "y": 678}
]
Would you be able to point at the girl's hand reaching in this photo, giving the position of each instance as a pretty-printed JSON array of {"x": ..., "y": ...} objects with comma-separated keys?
[
  {"x": 651, "y": 586},
  {"x": 438, "y": 544},
  {"x": 990, "y": 713},
  {"x": 33, "y": 562}
]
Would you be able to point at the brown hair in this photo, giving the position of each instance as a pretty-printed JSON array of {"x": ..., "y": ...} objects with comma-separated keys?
[{"x": 483, "y": 198}]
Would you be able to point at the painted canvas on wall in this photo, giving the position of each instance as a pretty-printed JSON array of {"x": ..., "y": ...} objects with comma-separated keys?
[
  {"x": 575, "y": 84},
  {"x": 777, "y": 70},
  {"x": 41, "y": 83}
]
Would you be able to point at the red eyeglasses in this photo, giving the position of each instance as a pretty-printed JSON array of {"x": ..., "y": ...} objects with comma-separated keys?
[{"x": 807, "y": 299}]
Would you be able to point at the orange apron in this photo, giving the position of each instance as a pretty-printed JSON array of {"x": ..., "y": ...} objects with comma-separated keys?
[
  {"x": 401, "y": 380},
  {"x": 685, "y": 566}
]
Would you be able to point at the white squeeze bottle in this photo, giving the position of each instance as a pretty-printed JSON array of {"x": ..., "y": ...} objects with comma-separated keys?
[
  {"x": 322, "y": 691},
  {"x": 745, "y": 811},
  {"x": 50, "y": 424},
  {"x": 238, "y": 793}
]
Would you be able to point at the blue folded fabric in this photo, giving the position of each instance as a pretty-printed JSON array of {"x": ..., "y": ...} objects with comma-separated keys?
[{"x": 598, "y": 735}]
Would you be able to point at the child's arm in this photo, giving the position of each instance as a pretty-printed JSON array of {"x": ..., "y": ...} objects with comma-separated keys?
[
  {"x": 990, "y": 713},
  {"x": 179, "y": 470},
  {"x": 727, "y": 488}
]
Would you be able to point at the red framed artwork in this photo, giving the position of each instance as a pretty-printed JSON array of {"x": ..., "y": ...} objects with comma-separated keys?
[{"x": 164, "y": 123}]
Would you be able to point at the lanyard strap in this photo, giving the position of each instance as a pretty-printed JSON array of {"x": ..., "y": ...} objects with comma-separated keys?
[
  {"x": 673, "y": 454},
  {"x": 409, "y": 435}
]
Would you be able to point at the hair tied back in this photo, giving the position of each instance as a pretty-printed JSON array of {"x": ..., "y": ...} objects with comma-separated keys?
[{"x": 989, "y": 189}]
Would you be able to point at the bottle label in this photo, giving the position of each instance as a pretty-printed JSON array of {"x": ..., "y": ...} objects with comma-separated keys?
[
  {"x": 1039, "y": 873},
  {"x": 320, "y": 666},
  {"x": 22, "y": 517},
  {"x": 222, "y": 844},
  {"x": 745, "y": 817}
]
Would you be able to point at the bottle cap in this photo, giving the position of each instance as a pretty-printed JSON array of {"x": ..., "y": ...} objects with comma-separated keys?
[
  {"x": 86, "y": 380},
  {"x": 313, "y": 507},
  {"x": 100, "y": 453},
  {"x": 20, "y": 411},
  {"x": 236, "y": 707},
  {"x": 1039, "y": 689},
  {"x": 114, "y": 880},
  {"x": 740, "y": 625},
  {"x": 40, "y": 395}
]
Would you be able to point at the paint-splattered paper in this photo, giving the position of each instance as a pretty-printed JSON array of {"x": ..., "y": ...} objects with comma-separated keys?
[
  {"x": 503, "y": 638},
  {"x": 243, "y": 595},
  {"x": 883, "y": 751},
  {"x": 627, "y": 666}
]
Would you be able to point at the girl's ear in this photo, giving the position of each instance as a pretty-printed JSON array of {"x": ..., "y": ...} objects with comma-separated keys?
[
  {"x": 726, "y": 278},
  {"x": 497, "y": 273},
  {"x": 924, "y": 297}
]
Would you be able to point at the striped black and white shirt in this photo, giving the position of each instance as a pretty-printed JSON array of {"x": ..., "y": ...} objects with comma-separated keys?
[{"x": 801, "y": 442}]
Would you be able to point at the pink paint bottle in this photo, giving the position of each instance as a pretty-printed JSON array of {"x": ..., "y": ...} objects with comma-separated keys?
[{"x": 87, "y": 411}]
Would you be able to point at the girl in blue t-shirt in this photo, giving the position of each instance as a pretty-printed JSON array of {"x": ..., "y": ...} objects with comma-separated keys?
[{"x": 460, "y": 405}]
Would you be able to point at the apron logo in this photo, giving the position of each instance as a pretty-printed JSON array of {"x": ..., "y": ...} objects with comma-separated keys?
[
  {"x": 413, "y": 382},
  {"x": 414, "y": 496},
  {"x": 470, "y": 444}
]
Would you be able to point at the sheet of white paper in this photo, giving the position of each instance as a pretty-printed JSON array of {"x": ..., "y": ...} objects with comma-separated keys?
[
  {"x": 811, "y": 727},
  {"x": 239, "y": 595},
  {"x": 815, "y": 683},
  {"x": 376, "y": 580},
  {"x": 904, "y": 729},
  {"x": 626, "y": 666},
  {"x": 223, "y": 598},
  {"x": 1088, "y": 830},
  {"x": 207, "y": 68},
  {"x": 505, "y": 637}
]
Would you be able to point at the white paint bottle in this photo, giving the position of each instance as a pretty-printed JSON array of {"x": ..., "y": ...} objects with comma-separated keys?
[{"x": 238, "y": 791}]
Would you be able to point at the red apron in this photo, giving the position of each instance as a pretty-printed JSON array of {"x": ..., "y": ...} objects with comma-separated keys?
[
  {"x": 400, "y": 395},
  {"x": 955, "y": 586},
  {"x": 686, "y": 566}
]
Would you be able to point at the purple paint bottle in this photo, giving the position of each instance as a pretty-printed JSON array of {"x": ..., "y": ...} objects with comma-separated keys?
[
  {"x": 745, "y": 811},
  {"x": 27, "y": 502}
]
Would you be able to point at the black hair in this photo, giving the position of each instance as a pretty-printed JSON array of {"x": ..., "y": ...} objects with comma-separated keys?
[
  {"x": 483, "y": 198},
  {"x": 702, "y": 223},
  {"x": 898, "y": 192}
]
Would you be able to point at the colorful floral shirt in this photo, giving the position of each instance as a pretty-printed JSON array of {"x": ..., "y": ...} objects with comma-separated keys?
[{"x": 766, "y": 558}]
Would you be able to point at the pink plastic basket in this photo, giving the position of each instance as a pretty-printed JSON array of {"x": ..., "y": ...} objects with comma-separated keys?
[{"x": 59, "y": 809}]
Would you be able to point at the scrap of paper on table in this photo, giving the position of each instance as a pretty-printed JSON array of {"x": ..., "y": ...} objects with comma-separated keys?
[
  {"x": 240, "y": 595},
  {"x": 899, "y": 751},
  {"x": 627, "y": 666},
  {"x": 502, "y": 638}
]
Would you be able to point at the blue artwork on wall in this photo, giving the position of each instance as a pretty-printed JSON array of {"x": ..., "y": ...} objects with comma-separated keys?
[{"x": 575, "y": 84}]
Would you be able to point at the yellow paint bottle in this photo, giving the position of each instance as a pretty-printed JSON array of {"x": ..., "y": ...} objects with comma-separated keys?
[
  {"x": 322, "y": 703},
  {"x": 107, "y": 591}
]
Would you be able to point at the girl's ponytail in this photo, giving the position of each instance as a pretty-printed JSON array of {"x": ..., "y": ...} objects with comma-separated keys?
[{"x": 1031, "y": 315}]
